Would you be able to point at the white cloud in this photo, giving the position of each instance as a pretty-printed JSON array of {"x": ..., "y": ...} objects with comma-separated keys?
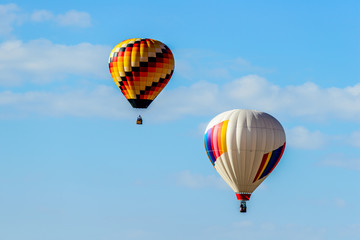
[
  {"x": 340, "y": 203},
  {"x": 240, "y": 64},
  {"x": 41, "y": 16},
  {"x": 9, "y": 15},
  {"x": 193, "y": 100},
  {"x": 191, "y": 180},
  {"x": 42, "y": 60},
  {"x": 341, "y": 161},
  {"x": 74, "y": 18},
  {"x": 300, "y": 137},
  {"x": 211, "y": 65},
  {"x": 306, "y": 101},
  {"x": 69, "y": 18},
  {"x": 329, "y": 202},
  {"x": 101, "y": 101},
  {"x": 354, "y": 139}
]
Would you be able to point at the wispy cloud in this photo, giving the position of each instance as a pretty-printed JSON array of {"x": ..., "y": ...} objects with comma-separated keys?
[
  {"x": 354, "y": 139},
  {"x": 241, "y": 64},
  {"x": 341, "y": 161},
  {"x": 191, "y": 180},
  {"x": 300, "y": 137},
  {"x": 200, "y": 65},
  {"x": 101, "y": 101},
  {"x": 41, "y": 16},
  {"x": 340, "y": 203},
  {"x": 74, "y": 18},
  {"x": 10, "y": 14},
  {"x": 69, "y": 18},
  {"x": 201, "y": 98},
  {"x": 41, "y": 61}
]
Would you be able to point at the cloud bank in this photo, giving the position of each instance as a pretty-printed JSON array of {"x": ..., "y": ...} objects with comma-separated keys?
[
  {"x": 307, "y": 101},
  {"x": 102, "y": 101},
  {"x": 10, "y": 15},
  {"x": 40, "y": 61}
]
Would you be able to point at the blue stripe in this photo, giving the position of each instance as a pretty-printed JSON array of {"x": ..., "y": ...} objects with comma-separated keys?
[
  {"x": 209, "y": 150},
  {"x": 273, "y": 160}
]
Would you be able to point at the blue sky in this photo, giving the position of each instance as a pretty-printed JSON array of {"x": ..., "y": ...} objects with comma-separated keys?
[{"x": 74, "y": 165}]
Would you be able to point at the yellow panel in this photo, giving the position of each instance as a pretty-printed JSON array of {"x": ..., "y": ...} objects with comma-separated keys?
[
  {"x": 132, "y": 58},
  {"x": 266, "y": 163},
  {"x": 152, "y": 75},
  {"x": 223, "y": 136}
]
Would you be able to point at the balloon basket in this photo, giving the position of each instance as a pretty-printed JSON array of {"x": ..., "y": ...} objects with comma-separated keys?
[
  {"x": 139, "y": 120},
  {"x": 243, "y": 207}
]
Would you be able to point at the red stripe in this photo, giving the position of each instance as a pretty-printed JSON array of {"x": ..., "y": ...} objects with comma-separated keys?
[
  {"x": 261, "y": 166},
  {"x": 216, "y": 140}
]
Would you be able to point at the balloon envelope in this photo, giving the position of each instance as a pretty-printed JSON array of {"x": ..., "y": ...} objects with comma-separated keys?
[
  {"x": 244, "y": 146},
  {"x": 141, "y": 68}
]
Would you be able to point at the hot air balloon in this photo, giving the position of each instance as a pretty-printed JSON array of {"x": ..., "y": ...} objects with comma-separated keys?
[
  {"x": 244, "y": 146},
  {"x": 141, "y": 68}
]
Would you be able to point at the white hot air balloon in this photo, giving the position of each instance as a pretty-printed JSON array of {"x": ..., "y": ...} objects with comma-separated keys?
[{"x": 244, "y": 147}]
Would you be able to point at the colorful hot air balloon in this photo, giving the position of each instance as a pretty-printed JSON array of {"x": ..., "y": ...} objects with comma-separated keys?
[
  {"x": 244, "y": 146},
  {"x": 141, "y": 68}
]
